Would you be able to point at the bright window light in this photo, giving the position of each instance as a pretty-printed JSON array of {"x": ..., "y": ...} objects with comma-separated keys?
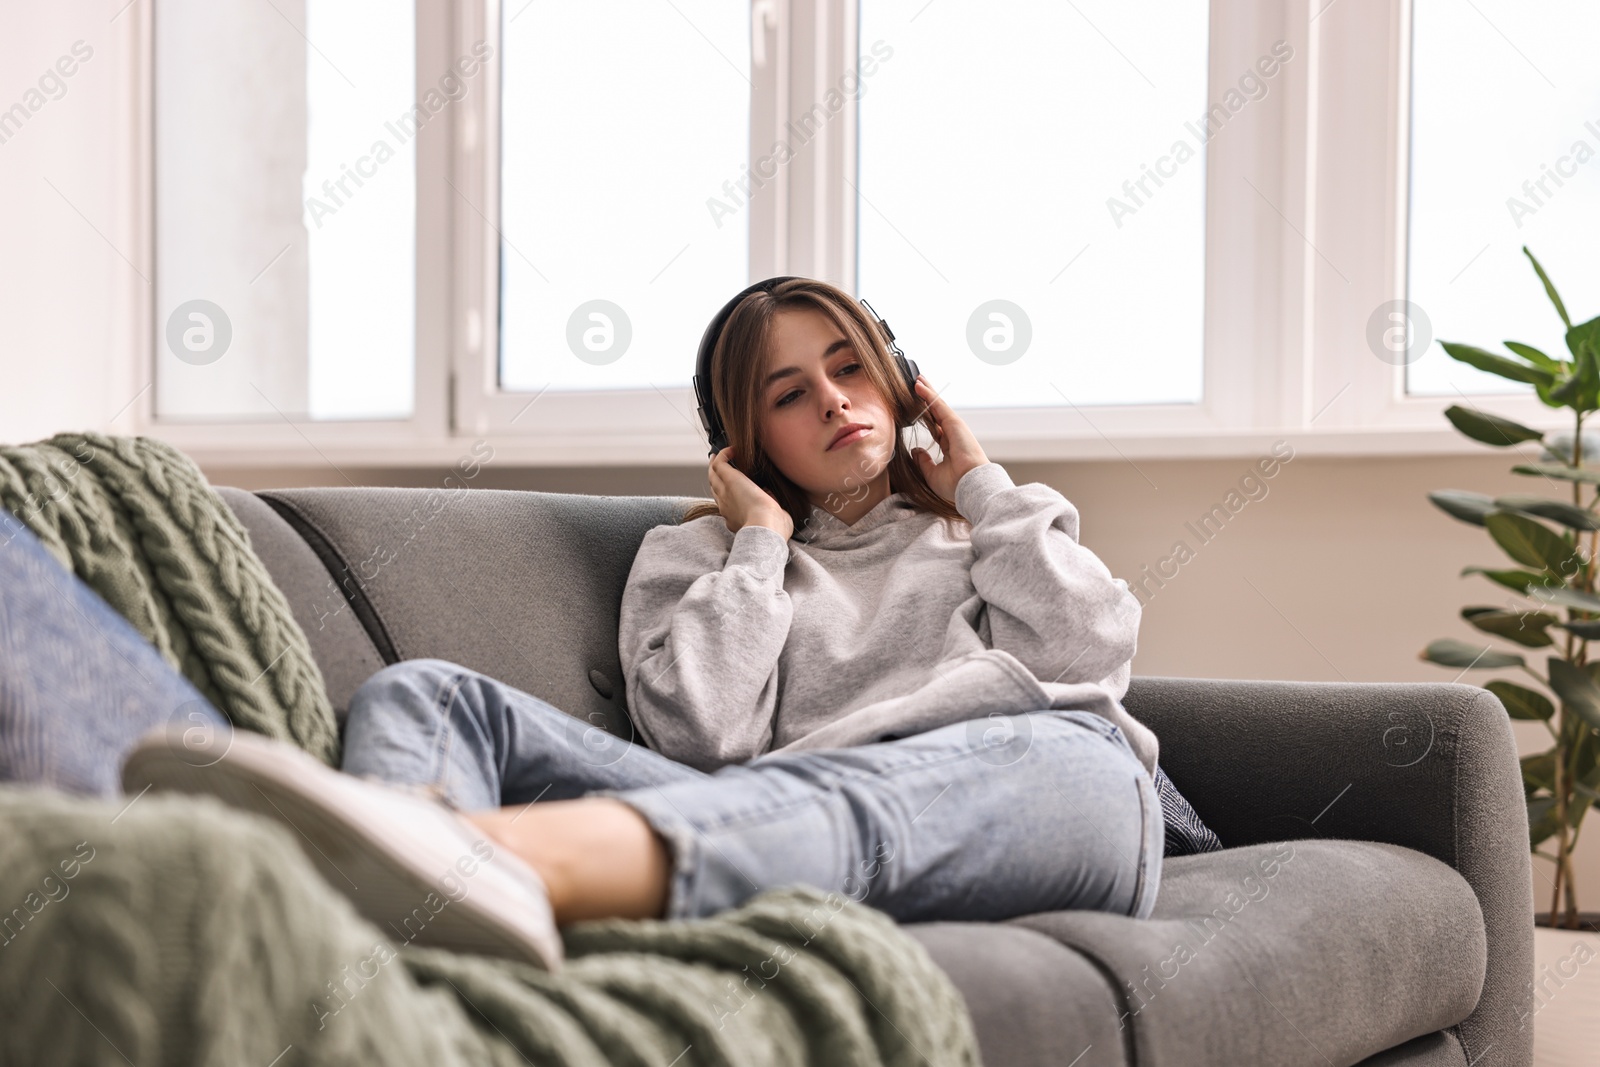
[
  {"x": 1505, "y": 152},
  {"x": 285, "y": 219},
  {"x": 1032, "y": 195},
  {"x": 623, "y": 128}
]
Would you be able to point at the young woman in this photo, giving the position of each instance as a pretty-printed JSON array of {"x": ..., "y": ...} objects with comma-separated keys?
[{"x": 857, "y": 667}]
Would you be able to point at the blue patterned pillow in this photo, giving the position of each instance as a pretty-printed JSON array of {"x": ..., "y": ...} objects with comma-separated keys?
[
  {"x": 78, "y": 684},
  {"x": 1186, "y": 834}
]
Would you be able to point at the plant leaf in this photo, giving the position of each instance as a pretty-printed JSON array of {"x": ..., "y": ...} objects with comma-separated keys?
[
  {"x": 1563, "y": 597},
  {"x": 1576, "y": 688},
  {"x": 1539, "y": 770},
  {"x": 1490, "y": 429},
  {"x": 1449, "y": 652},
  {"x": 1531, "y": 543},
  {"x": 1559, "y": 470},
  {"x": 1589, "y": 371},
  {"x": 1522, "y": 702},
  {"x": 1542, "y": 822},
  {"x": 1515, "y": 579},
  {"x": 1583, "y": 331},
  {"x": 1487, "y": 361},
  {"x": 1561, "y": 446},
  {"x": 1550, "y": 290},
  {"x": 1586, "y": 767},
  {"x": 1581, "y": 391},
  {"x": 1588, "y": 629},
  {"x": 1536, "y": 357},
  {"x": 1463, "y": 504},
  {"x": 1526, "y": 628},
  {"x": 1554, "y": 510}
]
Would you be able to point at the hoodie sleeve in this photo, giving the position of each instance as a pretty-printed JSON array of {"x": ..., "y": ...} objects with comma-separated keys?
[
  {"x": 1051, "y": 602},
  {"x": 700, "y": 630}
]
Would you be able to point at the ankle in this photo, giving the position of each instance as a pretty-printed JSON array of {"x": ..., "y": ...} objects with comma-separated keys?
[
  {"x": 506, "y": 827},
  {"x": 598, "y": 856}
]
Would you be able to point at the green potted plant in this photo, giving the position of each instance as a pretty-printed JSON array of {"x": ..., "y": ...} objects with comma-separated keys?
[{"x": 1553, "y": 541}]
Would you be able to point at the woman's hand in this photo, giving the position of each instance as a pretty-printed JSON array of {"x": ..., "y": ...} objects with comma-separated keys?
[
  {"x": 743, "y": 502},
  {"x": 961, "y": 449}
]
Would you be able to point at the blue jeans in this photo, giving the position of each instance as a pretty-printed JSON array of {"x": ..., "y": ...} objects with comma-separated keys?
[{"x": 981, "y": 820}]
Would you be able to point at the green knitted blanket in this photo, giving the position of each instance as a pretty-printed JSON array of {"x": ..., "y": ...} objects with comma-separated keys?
[
  {"x": 177, "y": 930},
  {"x": 181, "y": 931}
]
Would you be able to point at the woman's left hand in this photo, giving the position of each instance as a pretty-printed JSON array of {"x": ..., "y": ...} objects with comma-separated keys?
[{"x": 961, "y": 449}]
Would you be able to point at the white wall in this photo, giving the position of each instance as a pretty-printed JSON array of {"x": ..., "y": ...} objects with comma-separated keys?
[{"x": 63, "y": 234}]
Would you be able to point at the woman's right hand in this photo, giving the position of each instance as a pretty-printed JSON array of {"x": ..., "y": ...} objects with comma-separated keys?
[{"x": 743, "y": 502}]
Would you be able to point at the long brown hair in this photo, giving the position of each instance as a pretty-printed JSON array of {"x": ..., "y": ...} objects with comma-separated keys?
[{"x": 736, "y": 365}]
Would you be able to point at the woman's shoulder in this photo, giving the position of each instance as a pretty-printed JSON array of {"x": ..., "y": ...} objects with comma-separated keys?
[
  {"x": 706, "y": 527},
  {"x": 707, "y": 534}
]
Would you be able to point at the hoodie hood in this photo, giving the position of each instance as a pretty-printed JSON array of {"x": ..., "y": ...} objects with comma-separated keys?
[{"x": 829, "y": 531}]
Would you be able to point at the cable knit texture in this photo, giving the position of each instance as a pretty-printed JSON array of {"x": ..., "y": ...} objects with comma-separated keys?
[
  {"x": 136, "y": 520},
  {"x": 180, "y": 931}
]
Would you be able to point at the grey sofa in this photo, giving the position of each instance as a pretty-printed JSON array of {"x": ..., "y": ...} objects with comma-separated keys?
[{"x": 1372, "y": 906}]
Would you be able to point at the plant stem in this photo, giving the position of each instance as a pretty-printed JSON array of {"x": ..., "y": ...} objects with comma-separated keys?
[
  {"x": 1572, "y": 897},
  {"x": 1561, "y": 785},
  {"x": 1577, "y": 794},
  {"x": 1562, "y": 860}
]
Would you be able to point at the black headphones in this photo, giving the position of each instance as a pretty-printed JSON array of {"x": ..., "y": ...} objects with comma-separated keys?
[{"x": 709, "y": 419}]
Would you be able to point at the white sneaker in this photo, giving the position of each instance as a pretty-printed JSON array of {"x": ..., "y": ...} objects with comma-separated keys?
[{"x": 418, "y": 870}]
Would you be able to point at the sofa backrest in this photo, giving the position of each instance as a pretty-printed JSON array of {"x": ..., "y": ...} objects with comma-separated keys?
[{"x": 523, "y": 586}]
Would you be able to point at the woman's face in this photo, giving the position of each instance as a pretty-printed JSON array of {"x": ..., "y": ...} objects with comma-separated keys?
[{"x": 813, "y": 385}]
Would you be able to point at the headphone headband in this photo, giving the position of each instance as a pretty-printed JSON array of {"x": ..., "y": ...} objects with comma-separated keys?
[{"x": 710, "y": 420}]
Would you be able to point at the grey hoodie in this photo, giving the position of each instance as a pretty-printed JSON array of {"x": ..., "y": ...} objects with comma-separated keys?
[{"x": 734, "y": 645}]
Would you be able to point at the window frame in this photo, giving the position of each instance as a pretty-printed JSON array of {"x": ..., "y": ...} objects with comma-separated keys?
[
  {"x": 1360, "y": 164},
  {"x": 283, "y": 439},
  {"x": 1307, "y": 246}
]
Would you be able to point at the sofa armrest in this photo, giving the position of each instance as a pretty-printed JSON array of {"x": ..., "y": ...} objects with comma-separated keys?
[{"x": 1430, "y": 766}]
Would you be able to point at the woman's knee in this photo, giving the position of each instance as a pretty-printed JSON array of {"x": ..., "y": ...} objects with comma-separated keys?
[
  {"x": 1068, "y": 724},
  {"x": 1111, "y": 790},
  {"x": 431, "y": 690},
  {"x": 406, "y": 688}
]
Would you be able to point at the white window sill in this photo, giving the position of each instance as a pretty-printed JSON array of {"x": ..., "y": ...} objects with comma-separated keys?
[{"x": 239, "y": 448}]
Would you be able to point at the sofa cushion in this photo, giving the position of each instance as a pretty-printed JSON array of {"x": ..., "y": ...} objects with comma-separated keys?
[
  {"x": 1439, "y": 1049},
  {"x": 340, "y": 644},
  {"x": 1294, "y": 952},
  {"x": 1034, "y": 1002},
  {"x": 523, "y": 586}
]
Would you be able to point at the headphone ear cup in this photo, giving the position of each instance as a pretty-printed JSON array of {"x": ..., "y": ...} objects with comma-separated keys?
[
  {"x": 908, "y": 369},
  {"x": 718, "y": 440}
]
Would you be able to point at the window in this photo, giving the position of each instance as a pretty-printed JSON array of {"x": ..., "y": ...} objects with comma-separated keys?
[
  {"x": 285, "y": 206},
  {"x": 1059, "y": 200},
  {"x": 794, "y": 128},
  {"x": 1192, "y": 212},
  {"x": 622, "y": 211},
  {"x": 1505, "y": 152}
]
